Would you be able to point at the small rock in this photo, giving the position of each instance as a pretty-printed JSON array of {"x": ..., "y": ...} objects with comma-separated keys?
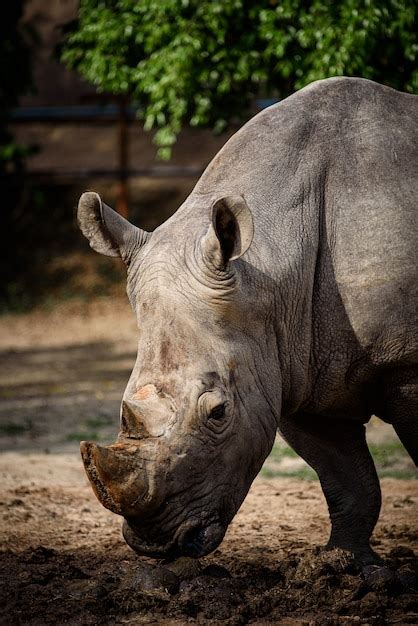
[
  {"x": 17, "y": 502},
  {"x": 377, "y": 577},
  {"x": 375, "y": 542},
  {"x": 407, "y": 577},
  {"x": 401, "y": 552},
  {"x": 403, "y": 502}
]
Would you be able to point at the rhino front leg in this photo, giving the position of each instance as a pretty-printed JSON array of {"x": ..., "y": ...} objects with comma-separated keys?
[{"x": 337, "y": 450}]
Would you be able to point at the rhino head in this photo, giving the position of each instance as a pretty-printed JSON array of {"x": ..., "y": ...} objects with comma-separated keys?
[{"x": 199, "y": 413}]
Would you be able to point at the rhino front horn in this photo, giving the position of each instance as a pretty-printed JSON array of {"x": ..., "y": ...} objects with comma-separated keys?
[{"x": 117, "y": 476}]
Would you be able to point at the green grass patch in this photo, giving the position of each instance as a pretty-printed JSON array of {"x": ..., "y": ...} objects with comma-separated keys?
[
  {"x": 97, "y": 422},
  {"x": 280, "y": 452},
  {"x": 304, "y": 473},
  {"x": 11, "y": 429},
  {"x": 391, "y": 460},
  {"x": 90, "y": 429},
  {"x": 401, "y": 474},
  {"x": 386, "y": 453},
  {"x": 83, "y": 436}
]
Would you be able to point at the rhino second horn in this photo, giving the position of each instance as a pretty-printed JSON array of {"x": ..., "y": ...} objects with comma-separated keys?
[{"x": 132, "y": 425}]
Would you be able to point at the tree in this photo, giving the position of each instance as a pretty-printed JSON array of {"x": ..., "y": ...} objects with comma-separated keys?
[
  {"x": 15, "y": 80},
  {"x": 202, "y": 62}
]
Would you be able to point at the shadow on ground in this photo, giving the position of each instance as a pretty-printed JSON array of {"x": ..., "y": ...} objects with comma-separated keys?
[{"x": 52, "y": 396}]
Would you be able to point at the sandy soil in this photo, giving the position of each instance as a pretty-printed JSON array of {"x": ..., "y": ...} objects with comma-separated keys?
[{"x": 63, "y": 559}]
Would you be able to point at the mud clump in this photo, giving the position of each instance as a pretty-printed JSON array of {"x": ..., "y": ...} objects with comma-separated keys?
[
  {"x": 324, "y": 563},
  {"x": 311, "y": 586},
  {"x": 210, "y": 598},
  {"x": 150, "y": 578},
  {"x": 185, "y": 568}
]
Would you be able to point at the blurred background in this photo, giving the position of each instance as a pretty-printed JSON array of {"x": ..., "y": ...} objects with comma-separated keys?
[
  {"x": 61, "y": 136},
  {"x": 133, "y": 99}
]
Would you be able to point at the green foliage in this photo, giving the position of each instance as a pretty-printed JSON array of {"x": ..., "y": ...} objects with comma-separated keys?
[
  {"x": 13, "y": 155},
  {"x": 201, "y": 62}
]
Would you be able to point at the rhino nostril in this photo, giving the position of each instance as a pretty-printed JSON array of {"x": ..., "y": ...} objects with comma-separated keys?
[
  {"x": 193, "y": 541},
  {"x": 202, "y": 539}
]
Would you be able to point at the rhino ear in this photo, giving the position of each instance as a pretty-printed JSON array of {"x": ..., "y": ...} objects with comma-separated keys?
[
  {"x": 231, "y": 230},
  {"x": 107, "y": 231}
]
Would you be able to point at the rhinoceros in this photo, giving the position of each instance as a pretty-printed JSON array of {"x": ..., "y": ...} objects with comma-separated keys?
[{"x": 282, "y": 295}]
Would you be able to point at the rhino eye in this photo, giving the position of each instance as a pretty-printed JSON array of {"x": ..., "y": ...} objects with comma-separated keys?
[
  {"x": 217, "y": 413},
  {"x": 212, "y": 407}
]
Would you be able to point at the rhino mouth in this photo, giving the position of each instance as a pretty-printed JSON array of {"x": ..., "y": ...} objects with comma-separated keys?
[{"x": 192, "y": 538}]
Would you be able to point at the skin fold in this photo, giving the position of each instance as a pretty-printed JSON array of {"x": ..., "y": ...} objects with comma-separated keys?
[{"x": 281, "y": 295}]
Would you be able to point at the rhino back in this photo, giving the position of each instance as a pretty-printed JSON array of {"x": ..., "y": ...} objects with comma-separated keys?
[
  {"x": 372, "y": 218},
  {"x": 330, "y": 175}
]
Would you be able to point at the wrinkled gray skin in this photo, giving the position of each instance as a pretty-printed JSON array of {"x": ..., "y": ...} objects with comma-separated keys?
[{"x": 281, "y": 295}]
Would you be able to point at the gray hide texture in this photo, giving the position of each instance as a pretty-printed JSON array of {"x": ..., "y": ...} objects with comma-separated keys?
[{"x": 281, "y": 294}]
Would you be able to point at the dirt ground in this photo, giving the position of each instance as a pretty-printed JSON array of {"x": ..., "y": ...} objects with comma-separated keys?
[{"x": 63, "y": 559}]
